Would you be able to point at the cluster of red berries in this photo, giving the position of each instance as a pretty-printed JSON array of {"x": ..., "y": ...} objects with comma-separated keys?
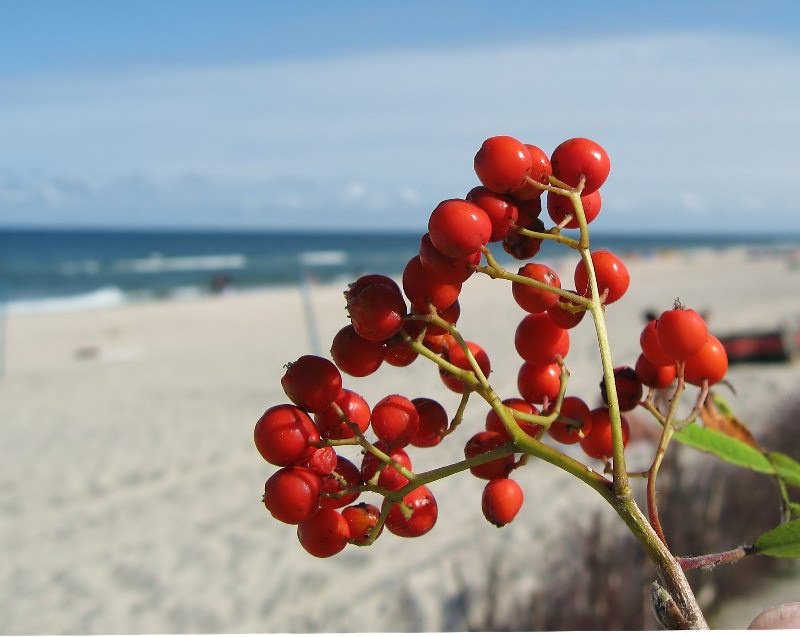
[{"x": 316, "y": 487}]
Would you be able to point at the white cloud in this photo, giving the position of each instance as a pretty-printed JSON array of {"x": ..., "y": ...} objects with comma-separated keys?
[{"x": 394, "y": 133}]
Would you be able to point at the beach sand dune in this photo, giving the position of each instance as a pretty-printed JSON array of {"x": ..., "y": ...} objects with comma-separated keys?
[{"x": 130, "y": 488}]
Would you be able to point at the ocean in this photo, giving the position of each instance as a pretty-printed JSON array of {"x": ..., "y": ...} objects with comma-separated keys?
[{"x": 62, "y": 270}]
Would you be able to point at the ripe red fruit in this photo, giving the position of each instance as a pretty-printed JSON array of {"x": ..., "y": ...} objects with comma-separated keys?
[
  {"x": 559, "y": 206},
  {"x": 539, "y": 340},
  {"x": 540, "y": 172},
  {"x": 321, "y": 460},
  {"x": 501, "y": 210},
  {"x": 493, "y": 422},
  {"x": 324, "y": 534},
  {"x": 283, "y": 435},
  {"x": 422, "y": 286},
  {"x": 377, "y": 311},
  {"x": 433, "y": 422},
  {"x": 533, "y": 299},
  {"x": 502, "y": 163},
  {"x": 501, "y": 500},
  {"x": 424, "y": 512},
  {"x": 362, "y": 518},
  {"x": 681, "y": 332},
  {"x": 292, "y": 494},
  {"x": 482, "y": 442},
  {"x": 312, "y": 382},
  {"x": 366, "y": 280},
  {"x": 354, "y": 407},
  {"x": 447, "y": 269},
  {"x": 458, "y": 358},
  {"x": 397, "y": 352},
  {"x": 563, "y": 317},
  {"x": 611, "y": 273},
  {"x": 330, "y": 485},
  {"x": 537, "y": 383},
  {"x": 450, "y": 314},
  {"x": 395, "y": 420},
  {"x": 390, "y": 478},
  {"x": 597, "y": 443},
  {"x": 580, "y": 156},
  {"x": 651, "y": 349},
  {"x": 573, "y": 422},
  {"x": 354, "y": 354},
  {"x": 458, "y": 228},
  {"x": 655, "y": 376},
  {"x": 629, "y": 388},
  {"x": 709, "y": 364}
]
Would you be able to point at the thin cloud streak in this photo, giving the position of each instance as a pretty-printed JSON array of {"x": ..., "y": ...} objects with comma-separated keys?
[{"x": 285, "y": 143}]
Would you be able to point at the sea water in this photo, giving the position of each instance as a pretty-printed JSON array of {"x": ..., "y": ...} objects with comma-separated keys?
[{"x": 62, "y": 270}]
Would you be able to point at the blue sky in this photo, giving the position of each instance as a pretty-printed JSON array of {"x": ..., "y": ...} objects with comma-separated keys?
[{"x": 359, "y": 114}]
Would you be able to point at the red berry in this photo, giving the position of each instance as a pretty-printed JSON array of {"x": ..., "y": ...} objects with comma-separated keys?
[
  {"x": 433, "y": 422},
  {"x": 539, "y": 340},
  {"x": 502, "y": 163},
  {"x": 533, "y": 299},
  {"x": 562, "y": 316},
  {"x": 629, "y": 388},
  {"x": 424, "y": 512},
  {"x": 655, "y": 376},
  {"x": 537, "y": 383},
  {"x": 458, "y": 358},
  {"x": 422, "y": 286},
  {"x": 330, "y": 485},
  {"x": 377, "y": 311},
  {"x": 397, "y": 352},
  {"x": 458, "y": 228},
  {"x": 501, "y": 210},
  {"x": 283, "y": 435},
  {"x": 581, "y": 156},
  {"x": 362, "y": 518},
  {"x": 390, "y": 478},
  {"x": 523, "y": 247},
  {"x": 709, "y": 364},
  {"x": 395, "y": 420},
  {"x": 540, "y": 172},
  {"x": 574, "y": 421},
  {"x": 612, "y": 276},
  {"x": 501, "y": 500},
  {"x": 447, "y": 269},
  {"x": 651, "y": 349},
  {"x": 681, "y": 333},
  {"x": 355, "y": 409},
  {"x": 493, "y": 422},
  {"x": 322, "y": 460},
  {"x": 312, "y": 382},
  {"x": 559, "y": 206},
  {"x": 324, "y": 534},
  {"x": 357, "y": 286},
  {"x": 354, "y": 354},
  {"x": 597, "y": 443},
  {"x": 292, "y": 494},
  {"x": 482, "y": 442}
]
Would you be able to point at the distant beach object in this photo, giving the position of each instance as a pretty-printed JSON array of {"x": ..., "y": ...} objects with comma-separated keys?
[
  {"x": 308, "y": 261},
  {"x": 763, "y": 346}
]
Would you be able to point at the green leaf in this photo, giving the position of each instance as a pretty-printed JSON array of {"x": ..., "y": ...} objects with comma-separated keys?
[
  {"x": 724, "y": 447},
  {"x": 786, "y": 467},
  {"x": 794, "y": 509},
  {"x": 782, "y": 541}
]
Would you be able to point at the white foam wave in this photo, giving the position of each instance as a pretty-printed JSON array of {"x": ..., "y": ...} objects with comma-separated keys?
[
  {"x": 159, "y": 263},
  {"x": 98, "y": 299}
]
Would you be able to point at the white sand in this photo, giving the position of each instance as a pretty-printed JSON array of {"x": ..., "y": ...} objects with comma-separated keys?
[{"x": 130, "y": 488}]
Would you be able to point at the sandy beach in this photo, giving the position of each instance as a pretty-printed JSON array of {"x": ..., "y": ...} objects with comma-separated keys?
[{"x": 130, "y": 487}]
